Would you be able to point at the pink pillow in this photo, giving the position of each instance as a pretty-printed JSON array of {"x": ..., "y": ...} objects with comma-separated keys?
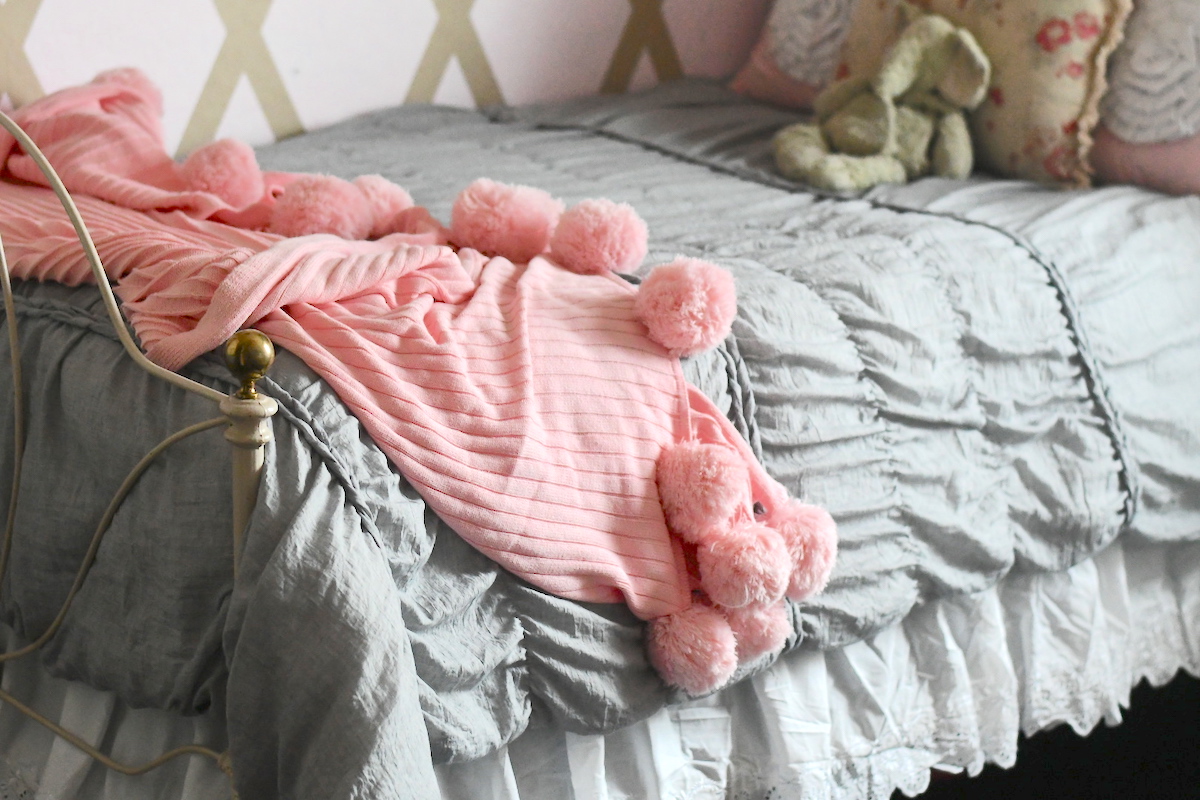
[
  {"x": 797, "y": 52},
  {"x": 1151, "y": 113},
  {"x": 1172, "y": 167},
  {"x": 762, "y": 79}
]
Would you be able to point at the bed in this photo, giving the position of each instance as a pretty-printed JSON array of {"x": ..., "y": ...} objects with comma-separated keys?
[{"x": 987, "y": 383}]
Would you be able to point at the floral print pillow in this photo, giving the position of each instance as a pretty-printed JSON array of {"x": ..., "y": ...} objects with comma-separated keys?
[{"x": 1048, "y": 65}]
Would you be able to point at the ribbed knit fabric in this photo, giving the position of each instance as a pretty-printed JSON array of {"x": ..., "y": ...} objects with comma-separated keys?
[
  {"x": 105, "y": 139},
  {"x": 525, "y": 402}
]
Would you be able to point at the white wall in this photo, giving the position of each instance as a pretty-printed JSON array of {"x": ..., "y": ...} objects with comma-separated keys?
[{"x": 257, "y": 69}]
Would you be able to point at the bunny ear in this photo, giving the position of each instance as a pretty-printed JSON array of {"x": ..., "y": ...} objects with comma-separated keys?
[
  {"x": 227, "y": 168},
  {"x": 968, "y": 74},
  {"x": 502, "y": 220},
  {"x": 687, "y": 306},
  {"x": 598, "y": 236}
]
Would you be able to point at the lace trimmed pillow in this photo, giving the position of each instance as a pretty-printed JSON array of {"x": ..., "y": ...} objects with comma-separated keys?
[
  {"x": 797, "y": 52},
  {"x": 1150, "y": 131},
  {"x": 1048, "y": 75}
]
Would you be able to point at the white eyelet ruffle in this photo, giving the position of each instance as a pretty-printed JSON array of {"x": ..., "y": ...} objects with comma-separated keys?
[{"x": 950, "y": 687}]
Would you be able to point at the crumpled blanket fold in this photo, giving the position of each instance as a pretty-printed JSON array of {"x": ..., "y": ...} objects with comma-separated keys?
[{"x": 525, "y": 402}]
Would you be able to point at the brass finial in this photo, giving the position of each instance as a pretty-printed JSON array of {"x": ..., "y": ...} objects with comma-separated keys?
[{"x": 248, "y": 355}]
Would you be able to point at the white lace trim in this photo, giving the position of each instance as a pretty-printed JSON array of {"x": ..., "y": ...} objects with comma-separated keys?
[
  {"x": 1154, "y": 75},
  {"x": 12, "y": 785},
  {"x": 951, "y": 687},
  {"x": 806, "y": 37}
]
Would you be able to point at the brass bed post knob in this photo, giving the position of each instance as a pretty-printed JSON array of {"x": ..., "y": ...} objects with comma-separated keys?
[{"x": 248, "y": 355}]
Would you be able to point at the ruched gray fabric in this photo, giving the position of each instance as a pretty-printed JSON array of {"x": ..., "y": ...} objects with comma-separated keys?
[{"x": 971, "y": 376}]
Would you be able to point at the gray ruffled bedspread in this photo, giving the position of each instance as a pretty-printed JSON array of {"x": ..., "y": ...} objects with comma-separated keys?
[{"x": 971, "y": 376}]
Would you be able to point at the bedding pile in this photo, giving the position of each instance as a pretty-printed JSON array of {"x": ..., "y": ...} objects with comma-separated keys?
[
  {"x": 537, "y": 409},
  {"x": 958, "y": 400}
]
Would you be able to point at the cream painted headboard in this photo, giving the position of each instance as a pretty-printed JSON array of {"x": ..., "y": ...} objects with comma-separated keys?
[{"x": 258, "y": 70}]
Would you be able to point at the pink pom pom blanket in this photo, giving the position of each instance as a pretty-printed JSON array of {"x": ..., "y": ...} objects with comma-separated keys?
[{"x": 524, "y": 401}]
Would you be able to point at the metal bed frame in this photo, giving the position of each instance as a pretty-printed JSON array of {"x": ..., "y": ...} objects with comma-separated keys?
[{"x": 246, "y": 415}]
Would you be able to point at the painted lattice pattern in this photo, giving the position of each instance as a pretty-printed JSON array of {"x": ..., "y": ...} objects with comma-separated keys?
[{"x": 260, "y": 70}]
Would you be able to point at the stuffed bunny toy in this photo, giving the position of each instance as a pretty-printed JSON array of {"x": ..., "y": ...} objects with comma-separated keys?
[{"x": 906, "y": 121}]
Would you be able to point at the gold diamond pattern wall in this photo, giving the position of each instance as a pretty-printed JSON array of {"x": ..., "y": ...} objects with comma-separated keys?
[{"x": 264, "y": 69}]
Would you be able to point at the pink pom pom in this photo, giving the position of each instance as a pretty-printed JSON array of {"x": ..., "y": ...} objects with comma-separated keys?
[
  {"x": 321, "y": 204},
  {"x": 701, "y": 487},
  {"x": 386, "y": 200},
  {"x": 759, "y": 628},
  {"x": 687, "y": 305},
  {"x": 417, "y": 220},
  {"x": 501, "y": 220},
  {"x": 226, "y": 168},
  {"x": 598, "y": 236},
  {"x": 747, "y": 564},
  {"x": 810, "y": 535},
  {"x": 693, "y": 649}
]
